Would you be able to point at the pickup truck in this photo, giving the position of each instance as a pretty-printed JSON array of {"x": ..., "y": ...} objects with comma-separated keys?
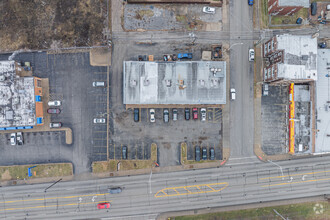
[{"x": 185, "y": 56}]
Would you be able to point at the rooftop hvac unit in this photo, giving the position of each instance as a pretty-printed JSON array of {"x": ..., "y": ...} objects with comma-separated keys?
[
  {"x": 146, "y": 82},
  {"x": 168, "y": 83},
  {"x": 133, "y": 83},
  {"x": 2, "y": 78},
  {"x": 202, "y": 82}
]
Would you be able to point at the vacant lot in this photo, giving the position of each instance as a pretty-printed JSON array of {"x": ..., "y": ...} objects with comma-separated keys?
[{"x": 40, "y": 24}]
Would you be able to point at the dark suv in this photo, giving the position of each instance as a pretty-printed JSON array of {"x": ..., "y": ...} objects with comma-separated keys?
[
  {"x": 187, "y": 113},
  {"x": 204, "y": 153},
  {"x": 136, "y": 114},
  {"x": 313, "y": 8},
  {"x": 197, "y": 153}
]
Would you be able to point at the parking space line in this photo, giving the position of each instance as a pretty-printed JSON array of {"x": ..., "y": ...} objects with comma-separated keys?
[
  {"x": 99, "y": 146},
  {"x": 100, "y": 153},
  {"x": 100, "y": 72},
  {"x": 98, "y": 131},
  {"x": 99, "y": 139},
  {"x": 213, "y": 115}
]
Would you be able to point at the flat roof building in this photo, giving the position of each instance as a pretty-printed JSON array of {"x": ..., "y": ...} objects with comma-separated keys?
[
  {"x": 20, "y": 98},
  {"x": 181, "y": 82},
  {"x": 322, "y": 140},
  {"x": 290, "y": 58}
]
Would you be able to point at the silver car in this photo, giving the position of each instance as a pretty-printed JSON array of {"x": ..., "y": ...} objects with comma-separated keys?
[
  {"x": 203, "y": 114},
  {"x": 99, "y": 120},
  {"x": 152, "y": 115},
  {"x": 175, "y": 114},
  {"x": 13, "y": 139}
]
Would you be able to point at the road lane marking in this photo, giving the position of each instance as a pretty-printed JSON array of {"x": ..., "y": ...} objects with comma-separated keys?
[
  {"x": 201, "y": 188},
  {"x": 65, "y": 197},
  {"x": 306, "y": 181},
  {"x": 48, "y": 206},
  {"x": 311, "y": 173}
]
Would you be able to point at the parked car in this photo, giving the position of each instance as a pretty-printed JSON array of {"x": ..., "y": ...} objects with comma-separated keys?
[
  {"x": 299, "y": 20},
  {"x": 152, "y": 115},
  {"x": 203, "y": 114},
  {"x": 115, "y": 190},
  {"x": 103, "y": 205},
  {"x": 209, "y": 10},
  {"x": 204, "y": 153},
  {"x": 99, "y": 84},
  {"x": 232, "y": 94},
  {"x": 136, "y": 114},
  {"x": 166, "y": 115},
  {"x": 197, "y": 153},
  {"x": 124, "y": 153},
  {"x": 195, "y": 113},
  {"x": 187, "y": 113},
  {"x": 251, "y": 55},
  {"x": 53, "y": 111},
  {"x": 55, "y": 125},
  {"x": 19, "y": 136},
  {"x": 175, "y": 114},
  {"x": 322, "y": 45},
  {"x": 265, "y": 89},
  {"x": 99, "y": 120},
  {"x": 212, "y": 153},
  {"x": 13, "y": 139},
  {"x": 185, "y": 56},
  {"x": 250, "y": 2},
  {"x": 54, "y": 103},
  {"x": 313, "y": 8}
]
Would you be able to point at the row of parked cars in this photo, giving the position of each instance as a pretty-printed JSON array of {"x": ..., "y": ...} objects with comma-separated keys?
[
  {"x": 53, "y": 110},
  {"x": 204, "y": 153},
  {"x": 166, "y": 114},
  {"x": 16, "y": 138}
]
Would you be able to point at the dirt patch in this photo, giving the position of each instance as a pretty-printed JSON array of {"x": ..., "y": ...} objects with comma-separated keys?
[
  {"x": 100, "y": 56},
  {"x": 6, "y": 175},
  {"x": 38, "y": 24}
]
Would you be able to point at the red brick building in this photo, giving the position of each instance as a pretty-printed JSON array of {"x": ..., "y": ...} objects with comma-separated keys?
[{"x": 286, "y": 7}]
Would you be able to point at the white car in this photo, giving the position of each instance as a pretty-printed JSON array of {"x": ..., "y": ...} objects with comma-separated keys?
[
  {"x": 232, "y": 94},
  {"x": 209, "y": 10},
  {"x": 54, "y": 103},
  {"x": 251, "y": 55},
  {"x": 203, "y": 114},
  {"x": 13, "y": 139},
  {"x": 152, "y": 115},
  {"x": 19, "y": 138},
  {"x": 99, "y": 120}
]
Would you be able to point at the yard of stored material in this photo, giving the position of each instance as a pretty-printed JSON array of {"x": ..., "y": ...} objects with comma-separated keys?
[
  {"x": 171, "y": 17},
  {"x": 40, "y": 24}
]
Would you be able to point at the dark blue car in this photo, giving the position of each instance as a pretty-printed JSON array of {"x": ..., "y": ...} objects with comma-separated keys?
[
  {"x": 250, "y": 2},
  {"x": 299, "y": 21}
]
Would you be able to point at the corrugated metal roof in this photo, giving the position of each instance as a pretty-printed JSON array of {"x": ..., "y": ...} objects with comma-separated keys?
[
  {"x": 303, "y": 3},
  {"x": 187, "y": 82}
]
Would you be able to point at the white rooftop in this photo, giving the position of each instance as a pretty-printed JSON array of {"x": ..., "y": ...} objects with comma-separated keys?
[
  {"x": 181, "y": 82},
  {"x": 300, "y": 56},
  {"x": 322, "y": 143},
  {"x": 17, "y": 102},
  {"x": 303, "y": 3}
]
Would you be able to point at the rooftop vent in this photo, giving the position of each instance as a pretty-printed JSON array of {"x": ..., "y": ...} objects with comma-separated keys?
[
  {"x": 133, "y": 83},
  {"x": 168, "y": 83},
  {"x": 146, "y": 82}
]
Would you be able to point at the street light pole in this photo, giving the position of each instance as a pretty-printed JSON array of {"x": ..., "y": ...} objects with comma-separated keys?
[
  {"x": 279, "y": 167},
  {"x": 234, "y": 45}
]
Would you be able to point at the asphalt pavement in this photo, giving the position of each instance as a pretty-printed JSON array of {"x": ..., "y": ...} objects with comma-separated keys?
[
  {"x": 241, "y": 78},
  {"x": 145, "y": 196}
]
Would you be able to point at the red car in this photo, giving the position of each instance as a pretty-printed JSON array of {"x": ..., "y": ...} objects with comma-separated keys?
[
  {"x": 195, "y": 113},
  {"x": 53, "y": 111},
  {"x": 104, "y": 205}
]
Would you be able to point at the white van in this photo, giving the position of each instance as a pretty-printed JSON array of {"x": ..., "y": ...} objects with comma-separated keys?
[
  {"x": 232, "y": 94},
  {"x": 98, "y": 84}
]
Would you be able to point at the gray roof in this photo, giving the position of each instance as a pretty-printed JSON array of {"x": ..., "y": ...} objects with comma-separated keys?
[
  {"x": 17, "y": 102},
  {"x": 303, "y": 3},
  {"x": 181, "y": 82},
  {"x": 322, "y": 102}
]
